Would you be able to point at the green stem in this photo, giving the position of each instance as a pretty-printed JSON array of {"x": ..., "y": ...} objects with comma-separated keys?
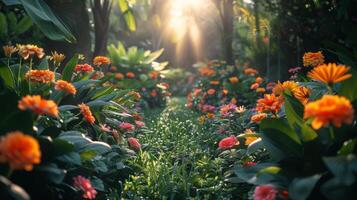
[
  {"x": 19, "y": 75},
  {"x": 9, "y": 173},
  {"x": 332, "y": 134},
  {"x": 12, "y": 74}
]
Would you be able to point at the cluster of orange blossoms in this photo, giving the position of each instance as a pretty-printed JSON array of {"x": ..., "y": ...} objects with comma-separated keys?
[
  {"x": 20, "y": 151},
  {"x": 330, "y": 109},
  {"x": 38, "y": 105},
  {"x": 300, "y": 92},
  {"x": 329, "y": 73},
  {"x": 25, "y": 51},
  {"x": 270, "y": 103},
  {"x": 101, "y": 60},
  {"x": 83, "y": 68},
  {"x": 40, "y": 76},
  {"x": 256, "y": 86},
  {"x": 65, "y": 86},
  {"x": 87, "y": 114},
  {"x": 206, "y": 71},
  {"x": 313, "y": 59}
]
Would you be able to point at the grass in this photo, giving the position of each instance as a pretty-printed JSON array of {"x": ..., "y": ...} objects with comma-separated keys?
[{"x": 179, "y": 159}]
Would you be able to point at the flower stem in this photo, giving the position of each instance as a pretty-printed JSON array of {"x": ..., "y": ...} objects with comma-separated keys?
[
  {"x": 19, "y": 75},
  {"x": 332, "y": 134}
]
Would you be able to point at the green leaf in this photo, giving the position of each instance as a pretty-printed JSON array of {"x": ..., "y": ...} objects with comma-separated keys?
[
  {"x": 7, "y": 75},
  {"x": 348, "y": 147},
  {"x": 69, "y": 68},
  {"x": 3, "y": 25},
  {"x": 62, "y": 146},
  {"x": 280, "y": 140},
  {"x": 11, "y": 2},
  {"x": 347, "y": 86},
  {"x": 52, "y": 173},
  {"x": 47, "y": 21},
  {"x": 43, "y": 64},
  {"x": 97, "y": 183},
  {"x": 24, "y": 24},
  {"x": 300, "y": 188},
  {"x": 127, "y": 14},
  {"x": 294, "y": 113}
]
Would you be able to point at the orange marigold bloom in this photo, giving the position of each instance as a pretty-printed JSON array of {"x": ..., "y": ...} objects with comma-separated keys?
[
  {"x": 329, "y": 73},
  {"x": 40, "y": 76},
  {"x": 153, "y": 93},
  {"x": 87, "y": 114},
  {"x": 210, "y": 115},
  {"x": 258, "y": 117},
  {"x": 214, "y": 82},
  {"x": 329, "y": 109},
  {"x": 313, "y": 59},
  {"x": 234, "y": 101},
  {"x": 225, "y": 91},
  {"x": 211, "y": 91},
  {"x": 154, "y": 74},
  {"x": 206, "y": 71},
  {"x": 259, "y": 80},
  {"x": 302, "y": 94},
  {"x": 101, "y": 60},
  {"x": 287, "y": 85},
  {"x": 83, "y": 68},
  {"x": 250, "y": 71},
  {"x": 233, "y": 80},
  {"x": 260, "y": 90},
  {"x": 270, "y": 103},
  {"x": 119, "y": 76},
  {"x": 9, "y": 50},
  {"x": 65, "y": 86},
  {"x": 20, "y": 151},
  {"x": 38, "y": 105},
  {"x": 130, "y": 75},
  {"x": 25, "y": 51}
]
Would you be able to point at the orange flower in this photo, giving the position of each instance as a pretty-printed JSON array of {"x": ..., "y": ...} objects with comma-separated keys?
[
  {"x": 211, "y": 91},
  {"x": 250, "y": 71},
  {"x": 287, "y": 85},
  {"x": 302, "y": 94},
  {"x": 225, "y": 91},
  {"x": 260, "y": 90},
  {"x": 57, "y": 57},
  {"x": 135, "y": 94},
  {"x": 313, "y": 59},
  {"x": 258, "y": 117},
  {"x": 40, "y": 76},
  {"x": 153, "y": 93},
  {"x": 20, "y": 151},
  {"x": 269, "y": 103},
  {"x": 210, "y": 115},
  {"x": 65, "y": 86},
  {"x": 130, "y": 75},
  {"x": 154, "y": 74},
  {"x": 329, "y": 109},
  {"x": 83, "y": 68},
  {"x": 254, "y": 86},
  {"x": 233, "y": 80},
  {"x": 87, "y": 114},
  {"x": 38, "y": 105},
  {"x": 101, "y": 60},
  {"x": 9, "y": 50},
  {"x": 25, "y": 51},
  {"x": 119, "y": 76},
  {"x": 250, "y": 139},
  {"x": 214, "y": 82},
  {"x": 330, "y": 73},
  {"x": 234, "y": 101},
  {"x": 259, "y": 80},
  {"x": 206, "y": 71}
]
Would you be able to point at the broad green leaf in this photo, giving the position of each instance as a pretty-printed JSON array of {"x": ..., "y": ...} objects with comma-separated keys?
[
  {"x": 69, "y": 68},
  {"x": 3, "y": 25},
  {"x": 347, "y": 86},
  {"x": 127, "y": 14},
  {"x": 8, "y": 77},
  {"x": 24, "y": 24},
  {"x": 348, "y": 147},
  {"x": 47, "y": 21},
  {"x": 300, "y": 188},
  {"x": 43, "y": 64}
]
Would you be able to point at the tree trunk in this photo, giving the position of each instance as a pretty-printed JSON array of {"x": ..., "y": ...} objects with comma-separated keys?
[{"x": 227, "y": 20}]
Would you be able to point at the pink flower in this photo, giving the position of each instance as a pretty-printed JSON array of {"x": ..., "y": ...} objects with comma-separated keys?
[
  {"x": 134, "y": 143},
  {"x": 265, "y": 192},
  {"x": 249, "y": 164},
  {"x": 126, "y": 126},
  {"x": 270, "y": 85},
  {"x": 84, "y": 184},
  {"x": 294, "y": 70},
  {"x": 208, "y": 108},
  {"x": 139, "y": 123},
  {"x": 105, "y": 128},
  {"x": 228, "y": 143}
]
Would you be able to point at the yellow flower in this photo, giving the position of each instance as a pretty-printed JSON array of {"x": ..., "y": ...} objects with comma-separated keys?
[
  {"x": 38, "y": 105},
  {"x": 9, "y": 50},
  {"x": 87, "y": 114},
  {"x": 329, "y": 73},
  {"x": 65, "y": 86},
  {"x": 201, "y": 120},
  {"x": 313, "y": 59},
  {"x": 20, "y": 151},
  {"x": 57, "y": 57},
  {"x": 302, "y": 94},
  {"x": 260, "y": 90},
  {"x": 40, "y": 76},
  {"x": 287, "y": 85},
  {"x": 330, "y": 109}
]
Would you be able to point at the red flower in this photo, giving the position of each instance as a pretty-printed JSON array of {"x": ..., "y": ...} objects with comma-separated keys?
[
  {"x": 126, "y": 126},
  {"x": 265, "y": 192},
  {"x": 139, "y": 123},
  {"x": 134, "y": 143},
  {"x": 84, "y": 184},
  {"x": 249, "y": 164},
  {"x": 83, "y": 68},
  {"x": 228, "y": 143}
]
